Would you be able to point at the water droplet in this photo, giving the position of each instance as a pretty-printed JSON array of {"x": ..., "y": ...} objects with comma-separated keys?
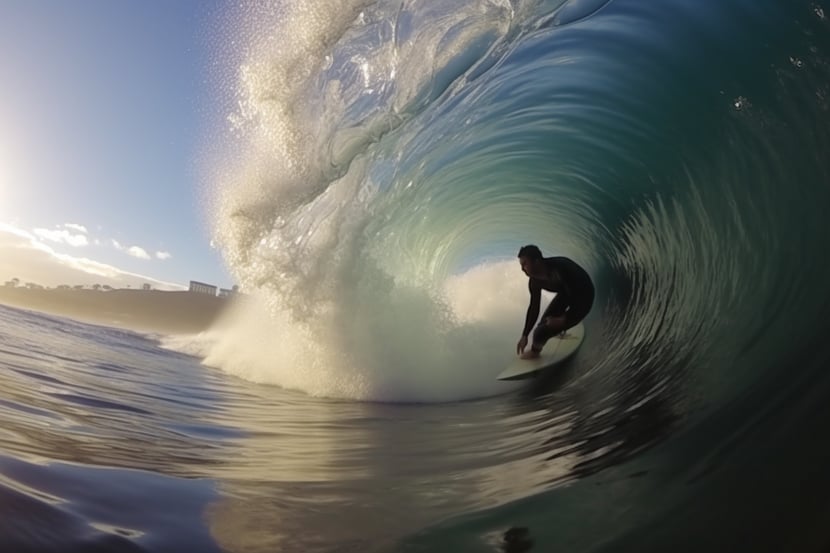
[{"x": 740, "y": 103}]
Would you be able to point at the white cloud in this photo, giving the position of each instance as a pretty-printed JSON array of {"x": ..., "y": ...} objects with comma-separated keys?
[
  {"x": 63, "y": 236},
  {"x": 78, "y": 228},
  {"x": 140, "y": 253},
  {"x": 25, "y": 256}
]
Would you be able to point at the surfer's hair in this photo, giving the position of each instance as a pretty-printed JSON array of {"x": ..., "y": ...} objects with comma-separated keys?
[{"x": 530, "y": 251}]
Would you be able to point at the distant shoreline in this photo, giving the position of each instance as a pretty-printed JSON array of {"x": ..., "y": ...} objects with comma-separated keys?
[{"x": 156, "y": 311}]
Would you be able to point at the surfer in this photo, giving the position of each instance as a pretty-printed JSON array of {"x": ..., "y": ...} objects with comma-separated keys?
[{"x": 574, "y": 297}]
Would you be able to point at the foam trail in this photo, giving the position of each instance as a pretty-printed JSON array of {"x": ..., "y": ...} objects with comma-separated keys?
[{"x": 402, "y": 353}]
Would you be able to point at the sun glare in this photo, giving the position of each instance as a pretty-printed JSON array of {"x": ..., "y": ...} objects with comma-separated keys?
[
  {"x": 5, "y": 180},
  {"x": 8, "y": 177}
]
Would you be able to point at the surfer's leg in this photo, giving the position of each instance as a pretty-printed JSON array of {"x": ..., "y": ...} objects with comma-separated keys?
[
  {"x": 579, "y": 307},
  {"x": 542, "y": 333}
]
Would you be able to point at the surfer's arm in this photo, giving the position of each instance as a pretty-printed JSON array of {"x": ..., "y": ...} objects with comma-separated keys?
[{"x": 533, "y": 308}]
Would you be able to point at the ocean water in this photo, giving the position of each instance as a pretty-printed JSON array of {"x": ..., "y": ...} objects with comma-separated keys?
[{"x": 377, "y": 168}]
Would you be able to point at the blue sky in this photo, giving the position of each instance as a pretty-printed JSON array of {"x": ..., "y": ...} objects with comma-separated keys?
[{"x": 106, "y": 108}]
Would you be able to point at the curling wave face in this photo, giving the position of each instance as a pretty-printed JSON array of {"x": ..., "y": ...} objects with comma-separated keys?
[{"x": 384, "y": 165}]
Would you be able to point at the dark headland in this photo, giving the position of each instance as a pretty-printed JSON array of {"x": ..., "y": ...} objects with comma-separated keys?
[{"x": 157, "y": 311}]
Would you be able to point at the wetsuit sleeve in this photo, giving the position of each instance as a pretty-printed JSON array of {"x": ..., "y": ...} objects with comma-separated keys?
[{"x": 533, "y": 308}]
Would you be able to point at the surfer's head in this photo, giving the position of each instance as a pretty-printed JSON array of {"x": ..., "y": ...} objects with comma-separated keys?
[{"x": 530, "y": 258}]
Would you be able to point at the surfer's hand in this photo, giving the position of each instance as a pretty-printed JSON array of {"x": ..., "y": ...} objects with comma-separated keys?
[{"x": 520, "y": 347}]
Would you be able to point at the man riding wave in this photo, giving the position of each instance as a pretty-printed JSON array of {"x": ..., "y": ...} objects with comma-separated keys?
[{"x": 574, "y": 297}]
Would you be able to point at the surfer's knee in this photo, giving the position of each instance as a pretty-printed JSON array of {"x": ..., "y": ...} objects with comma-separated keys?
[{"x": 540, "y": 335}]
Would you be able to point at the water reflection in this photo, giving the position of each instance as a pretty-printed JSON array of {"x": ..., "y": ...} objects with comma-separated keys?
[{"x": 135, "y": 443}]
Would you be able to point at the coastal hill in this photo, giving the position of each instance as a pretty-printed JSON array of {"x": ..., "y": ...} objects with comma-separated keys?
[{"x": 165, "y": 312}]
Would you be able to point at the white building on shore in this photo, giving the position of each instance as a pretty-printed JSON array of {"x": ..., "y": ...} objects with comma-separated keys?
[
  {"x": 228, "y": 292},
  {"x": 202, "y": 288}
]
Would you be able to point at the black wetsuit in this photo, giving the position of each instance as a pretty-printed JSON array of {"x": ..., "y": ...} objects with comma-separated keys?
[{"x": 574, "y": 297}]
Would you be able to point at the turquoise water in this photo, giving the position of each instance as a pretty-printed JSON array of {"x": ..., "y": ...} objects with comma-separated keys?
[{"x": 377, "y": 169}]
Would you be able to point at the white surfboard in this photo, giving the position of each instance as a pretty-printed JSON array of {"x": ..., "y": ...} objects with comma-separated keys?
[{"x": 557, "y": 350}]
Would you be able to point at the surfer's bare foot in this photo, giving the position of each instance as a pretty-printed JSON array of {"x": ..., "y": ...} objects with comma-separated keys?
[{"x": 530, "y": 354}]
